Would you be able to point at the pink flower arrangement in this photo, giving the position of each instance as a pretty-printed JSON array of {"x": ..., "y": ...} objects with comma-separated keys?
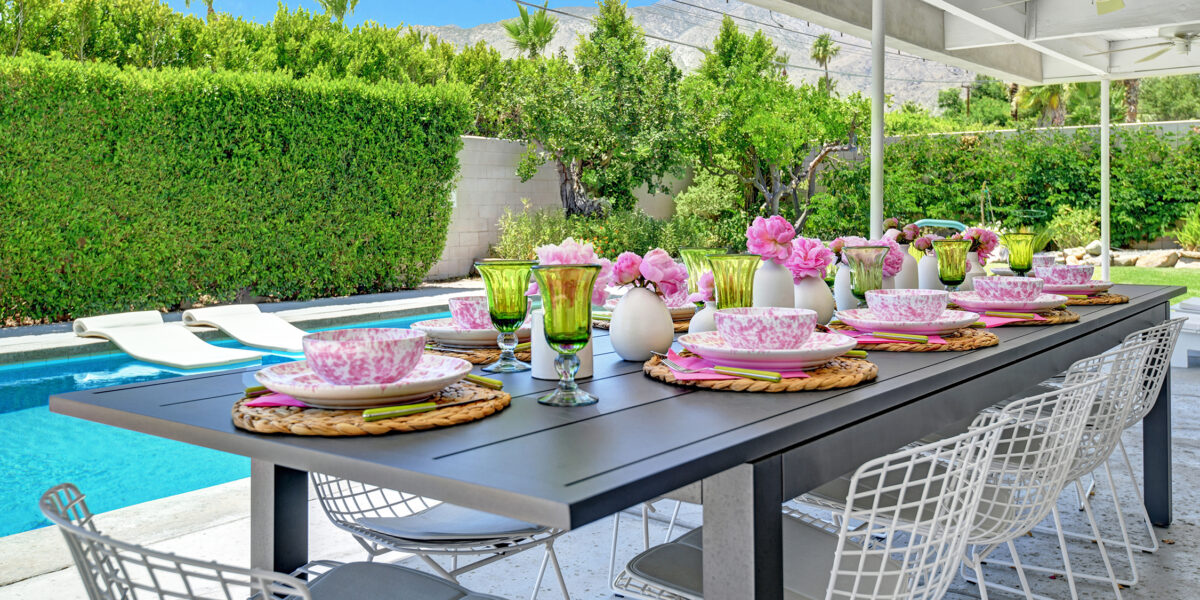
[
  {"x": 891, "y": 223},
  {"x": 925, "y": 243},
  {"x": 894, "y": 260},
  {"x": 771, "y": 238},
  {"x": 903, "y": 235},
  {"x": 983, "y": 241},
  {"x": 708, "y": 289},
  {"x": 809, "y": 258},
  {"x": 839, "y": 244},
  {"x": 657, "y": 269},
  {"x": 571, "y": 252}
]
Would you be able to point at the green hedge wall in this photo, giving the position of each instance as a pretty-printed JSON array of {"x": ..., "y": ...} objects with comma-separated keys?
[{"x": 127, "y": 190}]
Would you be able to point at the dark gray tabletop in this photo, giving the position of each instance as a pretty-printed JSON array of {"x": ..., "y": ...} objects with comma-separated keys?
[{"x": 566, "y": 467}]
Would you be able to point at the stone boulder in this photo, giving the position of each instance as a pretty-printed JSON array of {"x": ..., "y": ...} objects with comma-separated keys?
[
  {"x": 1124, "y": 260},
  {"x": 1187, "y": 262},
  {"x": 1159, "y": 259},
  {"x": 1189, "y": 253},
  {"x": 1094, "y": 248}
]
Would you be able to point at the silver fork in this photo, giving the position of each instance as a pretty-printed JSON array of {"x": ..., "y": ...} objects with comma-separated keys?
[{"x": 736, "y": 372}]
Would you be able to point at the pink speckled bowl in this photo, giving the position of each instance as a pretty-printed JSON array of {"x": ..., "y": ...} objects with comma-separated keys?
[
  {"x": 363, "y": 356},
  {"x": 1065, "y": 274},
  {"x": 1044, "y": 259},
  {"x": 1008, "y": 288},
  {"x": 907, "y": 305},
  {"x": 765, "y": 328},
  {"x": 470, "y": 312}
]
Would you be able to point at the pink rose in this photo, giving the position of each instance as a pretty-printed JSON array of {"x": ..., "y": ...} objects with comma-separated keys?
[
  {"x": 770, "y": 238},
  {"x": 659, "y": 268},
  {"x": 847, "y": 241},
  {"x": 925, "y": 243},
  {"x": 894, "y": 260},
  {"x": 911, "y": 232},
  {"x": 571, "y": 252},
  {"x": 627, "y": 268},
  {"x": 809, "y": 258},
  {"x": 707, "y": 289}
]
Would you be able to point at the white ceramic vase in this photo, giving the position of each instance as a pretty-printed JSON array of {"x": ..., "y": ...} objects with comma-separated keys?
[
  {"x": 927, "y": 273},
  {"x": 889, "y": 283},
  {"x": 842, "y": 293},
  {"x": 813, "y": 293},
  {"x": 543, "y": 355},
  {"x": 703, "y": 320},
  {"x": 772, "y": 285},
  {"x": 907, "y": 278},
  {"x": 641, "y": 325},
  {"x": 974, "y": 269}
]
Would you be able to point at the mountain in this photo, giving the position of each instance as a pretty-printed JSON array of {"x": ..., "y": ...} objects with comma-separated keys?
[{"x": 695, "y": 23}]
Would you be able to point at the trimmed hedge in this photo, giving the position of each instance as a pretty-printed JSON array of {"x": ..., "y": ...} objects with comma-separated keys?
[{"x": 136, "y": 189}]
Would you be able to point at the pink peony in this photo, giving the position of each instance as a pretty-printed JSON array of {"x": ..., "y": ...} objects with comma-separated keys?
[
  {"x": 910, "y": 233},
  {"x": 983, "y": 242},
  {"x": 809, "y": 258},
  {"x": 708, "y": 289},
  {"x": 891, "y": 223},
  {"x": 627, "y": 268},
  {"x": 571, "y": 252},
  {"x": 659, "y": 268},
  {"x": 770, "y": 238},
  {"x": 925, "y": 243},
  {"x": 894, "y": 260},
  {"x": 839, "y": 244}
]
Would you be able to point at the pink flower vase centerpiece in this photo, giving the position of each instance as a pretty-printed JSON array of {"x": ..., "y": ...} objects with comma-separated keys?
[
  {"x": 569, "y": 252},
  {"x": 772, "y": 240},
  {"x": 703, "y": 320},
  {"x": 892, "y": 264},
  {"x": 808, "y": 263},
  {"x": 641, "y": 323},
  {"x": 983, "y": 243},
  {"x": 927, "y": 268},
  {"x": 906, "y": 278}
]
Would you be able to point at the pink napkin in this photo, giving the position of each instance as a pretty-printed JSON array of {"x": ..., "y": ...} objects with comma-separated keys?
[
  {"x": 866, "y": 338},
  {"x": 275, "y": 400},
  {"x": 695, "y": 362},
  {"x": 998, "y": 321}
]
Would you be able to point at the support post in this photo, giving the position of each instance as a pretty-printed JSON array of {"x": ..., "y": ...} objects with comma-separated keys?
[
  {"x": 743, "y": 532},
  {"x": 878, "y": 46},
  {"x": 278, "y": 517},
  {"x": 1156, "y": 449},
  {"x": 1105, "y": 178}
]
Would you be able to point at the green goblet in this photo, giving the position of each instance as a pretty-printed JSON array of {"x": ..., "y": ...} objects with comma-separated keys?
[
  {"x": 567, "y": 305},
  {"x": 952, "y": 262},
  {"x": 866, "y": 269},
  {"x": 506, "y": 282},
  {"x": 733, "y": 275},
  {"x": 1020, "y": 252},
  {"x": 696, "y": 262}
]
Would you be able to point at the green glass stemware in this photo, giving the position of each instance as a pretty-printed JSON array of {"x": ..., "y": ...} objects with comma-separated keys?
[
  {"x": 696, "y": 262},
  {"x": 866, "y": 269},
  {"x": 952, "y": 262},
  {"x": 733, "y": 275},
  {"x": 567, "y": 306},
  {"x": 506, "y": 282},
  {"x": 1020, "y": 252}
]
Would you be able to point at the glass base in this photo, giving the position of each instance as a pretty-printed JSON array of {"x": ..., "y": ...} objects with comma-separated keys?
[
  {"x": 506, "y": 365},
  {"x": 568, "y": 398}
]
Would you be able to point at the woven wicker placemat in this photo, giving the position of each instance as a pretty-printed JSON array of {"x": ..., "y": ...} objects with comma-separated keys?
[
  {"x": 481, "y": 356},
  {"x": 959, "y": 341},
  {"x": 1058, "y": 316},
  {"x": 680, "y": 326},
  {"x": 838, "y": 373},
  {"x": 1098, "y": 300},
  {"x": 334, "y": 423}
]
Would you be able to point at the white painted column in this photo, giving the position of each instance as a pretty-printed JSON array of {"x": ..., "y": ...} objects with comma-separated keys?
[
  {"x": 878, "y": 43},
  {"x": 1105, "y": 176}
]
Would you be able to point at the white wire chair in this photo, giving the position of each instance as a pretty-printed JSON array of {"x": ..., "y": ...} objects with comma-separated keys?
[
  {"x": 647, "y": 508},
  {"x": 886, "y": 557},
  {"x": 383, "y": 520},
  {"x": 113, "y": 570}
]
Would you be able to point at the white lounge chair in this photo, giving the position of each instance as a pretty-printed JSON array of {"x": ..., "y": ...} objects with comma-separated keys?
[
  {"x": 248, "y": 325},
  {"x": 144, "y": 336}
]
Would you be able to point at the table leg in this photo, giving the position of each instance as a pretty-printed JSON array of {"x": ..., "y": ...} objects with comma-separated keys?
[
  {"x": 743, "y": 532},
  {"x": 1156, "y": 465},
  {"x": 278, "y": 517}
]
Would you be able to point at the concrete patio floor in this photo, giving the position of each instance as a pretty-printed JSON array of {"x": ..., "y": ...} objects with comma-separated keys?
[{"x": 223, "y": 534}]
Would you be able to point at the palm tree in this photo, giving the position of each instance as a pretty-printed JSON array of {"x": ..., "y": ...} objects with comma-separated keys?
[
  {"x": 212, "y": 14},
  {"x": 1014, "y": 91},
  {"x": 823, "y": 51},
  {"x": 531, "y": 35},
  {"x": 1133, "y": 92},
  {"x": 1049, "y": 100},
  {"x": 338, "y": 9}
]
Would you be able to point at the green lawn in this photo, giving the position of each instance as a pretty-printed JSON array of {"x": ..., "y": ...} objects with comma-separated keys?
[{"x": 1146, "y": 276}]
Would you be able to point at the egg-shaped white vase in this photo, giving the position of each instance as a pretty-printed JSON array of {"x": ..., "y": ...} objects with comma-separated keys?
[
  {"x": 974, "y": 269},
  {"x": 542, "y": 355},
  {"x": 641, "y": 325},
  {"x": 813, "y": 293},
  {"x": 842, "y": 290},
  {"x": 772, "y": 285},
  {"x": 927, "y": 273},
  {"x": 703, "y": 320},
  {"x": 907, "y": 278}
]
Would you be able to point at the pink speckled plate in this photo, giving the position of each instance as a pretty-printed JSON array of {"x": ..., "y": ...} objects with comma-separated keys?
[
  {"x": 816, "y": 351},
  {"x": 678, "y": 313},
  {"x": 446, "y": 332},
  {"x": 1089, "y": 288},
  {"x": 295, "y": 379},
  {"x": 972, "y": 301},
  {"x": 863, "y": 319}
]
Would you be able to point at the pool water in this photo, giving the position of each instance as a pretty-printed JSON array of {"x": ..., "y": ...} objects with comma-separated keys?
[{"x": 114, "y": 467}]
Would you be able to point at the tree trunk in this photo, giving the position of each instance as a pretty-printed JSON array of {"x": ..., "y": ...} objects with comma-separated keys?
[
  {"x": 1013, "y": 89},
  {"x": 1133, "y": 92},
  {"x": 570, "y": 190},
  {"x": 20, "y": 27}
]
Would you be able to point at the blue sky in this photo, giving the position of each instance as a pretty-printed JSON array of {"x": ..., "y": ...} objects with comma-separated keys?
[{"x": 464, "y": 13}]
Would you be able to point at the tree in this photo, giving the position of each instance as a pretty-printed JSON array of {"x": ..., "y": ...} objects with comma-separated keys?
[
  {"x": 531, "y": 34},
  {"x": 823, "y": 51},
  {"x": 211, "y": 14},
  {"x": 1049, "y": 101},
  {"x": 1174, "y": 98},
  {"x": 1133, "y": 92},
  {"x": 338, "y": 9}
]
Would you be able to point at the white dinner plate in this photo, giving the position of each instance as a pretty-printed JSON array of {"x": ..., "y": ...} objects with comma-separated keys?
[
  {"x": 971, "y": 301},
  {"x": 446, "y": 332},
  {"x": 1089, "y": 288},
  {"x": 863, "y": 319},
  {"x": 816, "y": 351},
  {"x": 297, "y": 380}
]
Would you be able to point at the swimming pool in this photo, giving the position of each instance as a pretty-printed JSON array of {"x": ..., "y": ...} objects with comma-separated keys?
[{"x": 115, "y": 467}]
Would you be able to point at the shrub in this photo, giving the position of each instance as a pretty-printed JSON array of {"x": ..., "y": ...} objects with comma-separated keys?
[
  {"x": 1189, "y": 235},
  {"x": 133, "y": 189},
  {"x": 1075, "y": 227}
]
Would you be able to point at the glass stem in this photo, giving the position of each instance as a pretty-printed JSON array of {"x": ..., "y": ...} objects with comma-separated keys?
[
  {"x": 567, "y": 365},
  {"x": 507, "y": 340}
]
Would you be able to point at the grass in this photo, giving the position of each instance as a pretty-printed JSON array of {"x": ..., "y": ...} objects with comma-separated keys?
[{"x": 1189, "y": 278}]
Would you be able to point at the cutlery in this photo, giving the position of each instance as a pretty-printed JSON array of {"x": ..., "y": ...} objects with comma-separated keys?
[
  {"x": 391, "y": 412},
  {"x": 486, "y": 382},
  {"x": 1011, "y": 315},
  {"x": 903, "y": 337},
  {"x": 736, "y": 372}
]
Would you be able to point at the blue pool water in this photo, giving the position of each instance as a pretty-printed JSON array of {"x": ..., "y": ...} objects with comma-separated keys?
[{"x": 114, "y": 467}]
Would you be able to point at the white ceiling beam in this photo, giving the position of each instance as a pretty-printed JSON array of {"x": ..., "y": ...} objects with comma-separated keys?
[
  {"x": 1072, "y": 18},
  {"x": 961, "y": 35}
]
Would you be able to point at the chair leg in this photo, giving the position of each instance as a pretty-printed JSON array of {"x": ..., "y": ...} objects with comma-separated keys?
[
  {"x": 671, "y": 523},
  {"x": 1062, "y": 546},
  {"x": 645, "y": 526},
  {"x": 1141, "y": 502},
  {"x": 537, "y": 583},
  {"x": 436, "y": 567},
  {"x": 562, "y": 582},
  {"x": 1012, "y": 549},
  {"x": 1112, "y": 486},
  {"x": 1087, "y": 507},
  {"x": 612, "y": 554}
]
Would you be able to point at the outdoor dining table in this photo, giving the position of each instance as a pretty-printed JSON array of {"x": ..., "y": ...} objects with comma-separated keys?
[{"x": 567, "y": 467}]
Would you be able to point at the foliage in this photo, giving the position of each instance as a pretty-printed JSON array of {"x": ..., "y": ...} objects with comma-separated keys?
[
  {"x": 1189, "y": 234},
  {"x": 531, "y": 34},
  {"x": 128, "y": 189},
  {"x": 914, "y": 119},
  {"x": 709, "y": 196},
  {"x": 338, "y": 9},
  {"x": 1075, "y": 227},
  {"x": 989, "y": 108},
  {"x": 823, "y": 51},
  {"x": 1170, "y": 98},
  {"x": 1143, "y": 276}
]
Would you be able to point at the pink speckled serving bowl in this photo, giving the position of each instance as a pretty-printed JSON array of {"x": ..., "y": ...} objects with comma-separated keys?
[
  {"x": 766, "y": 328},
  {"x": 470, "y": 312},
  {"x": 1065, "y": 274},
  {"x": 1008, "y": 288},
  {"x": 363, "y": 356},
  {"x": 907, "y": 305},
  {"x": 1044, "y": 259}
]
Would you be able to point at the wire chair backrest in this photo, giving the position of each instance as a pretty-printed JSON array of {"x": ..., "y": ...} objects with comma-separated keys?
[
  {"x": 1113, "y": 402},
  {"x": 1032, "y": 460},
  {"x": 931, "y": 493},
  {"x": 346, "y": 500},
  {"x": 1163, "y": 337},
  {"x": 113, "y": 570}
]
